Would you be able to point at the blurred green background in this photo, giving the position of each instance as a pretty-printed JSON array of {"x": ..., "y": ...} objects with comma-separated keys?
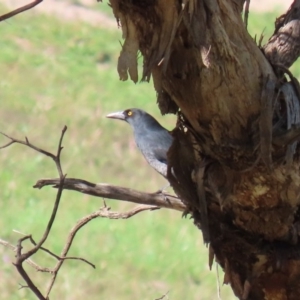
[{"x": 56, "y": 73}]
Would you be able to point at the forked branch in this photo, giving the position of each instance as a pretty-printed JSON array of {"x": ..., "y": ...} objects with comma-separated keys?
[
  {"x": 103, "y": 190},
  {"x": 148, "y": 201},
  {"x": 21, "y": 257},
  {"x": 104, "y": 212}
]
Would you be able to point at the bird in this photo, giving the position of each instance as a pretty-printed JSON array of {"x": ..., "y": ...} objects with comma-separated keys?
[{"x": 153, "y": 140}]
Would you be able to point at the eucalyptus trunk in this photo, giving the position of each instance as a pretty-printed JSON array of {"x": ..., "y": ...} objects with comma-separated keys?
[{"x": 235, "y": 159}]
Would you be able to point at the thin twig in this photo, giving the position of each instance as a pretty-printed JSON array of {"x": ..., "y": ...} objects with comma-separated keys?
[
  {"x": 26, "y": 143},
  {"x": 78, "y": 258},
  {"x": 20, "y": 10},
  {"x": 163, "y": 296},
  {"x": 104, "y": 212},
  {"x": 59, "y": 257},
  {"x": 59, "y": 149},
  {"x": 36, "y": 266},
  {"x": 29, "y": 261},
  {"x": 150, "y": 201},
  {"x": 50, "y": 222},
  {"x": 19, "y": 266},
  {"x": 21, "y": 257}
]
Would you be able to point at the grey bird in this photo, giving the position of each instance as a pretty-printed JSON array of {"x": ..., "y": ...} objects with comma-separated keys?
[{"x": 151, "y": 138}]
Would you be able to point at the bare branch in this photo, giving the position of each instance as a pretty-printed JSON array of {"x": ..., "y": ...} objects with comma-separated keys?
[
  {"x": 20, "y": 10},
  {"x": 58, "y": 196},
  {"x": 29, "y": 261},
  {"x": 26, "y": 143},
  {"x": 59, "y": 257},
  {"x": 78, "y": 258},
  {"x": 8, "y": 144},
  {"x": 104, "y": 212},
  {"x": 21, "y": 257},
  {"x": 59, "y": 149},
  {"x": 22, "y": 286},
  {"x": 30, "y": 284},
  {"x": 163, "y": 296},
  {"x": 115, "y": 192},
  {"x": 150, "y": 201},
  {"x": 49, "y": 225}
]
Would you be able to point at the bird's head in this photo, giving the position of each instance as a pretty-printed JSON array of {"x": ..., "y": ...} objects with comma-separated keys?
[
  {"x": 132, "y": 115},
  {"x": 151, "y": 138}
]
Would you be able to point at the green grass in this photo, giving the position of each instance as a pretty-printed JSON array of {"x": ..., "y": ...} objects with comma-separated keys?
[{"x": 55, "y": 74}]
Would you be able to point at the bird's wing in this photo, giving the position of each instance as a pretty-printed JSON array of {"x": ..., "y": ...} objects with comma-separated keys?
[
  {"x": 154, "y": 142},
  {"x": 160, "y": 144},
  {"x": 160, "y": 154},
  {"x": 157, "y": 159}
]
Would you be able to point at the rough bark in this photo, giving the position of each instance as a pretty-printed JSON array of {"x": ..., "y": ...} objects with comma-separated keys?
[{"x": 235, "y": 159}]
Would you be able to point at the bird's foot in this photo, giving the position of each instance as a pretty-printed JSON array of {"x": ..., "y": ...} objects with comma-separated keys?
[{"x": 162, "y": 191}]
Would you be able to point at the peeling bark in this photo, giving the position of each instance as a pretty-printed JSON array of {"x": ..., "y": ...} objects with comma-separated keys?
[
  {"x": 234, "y": 160},
  {"x": 284, "y": 46}
]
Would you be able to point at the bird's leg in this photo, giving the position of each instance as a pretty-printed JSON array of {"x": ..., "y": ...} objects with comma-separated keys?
[{"x": 162, "y": 191}]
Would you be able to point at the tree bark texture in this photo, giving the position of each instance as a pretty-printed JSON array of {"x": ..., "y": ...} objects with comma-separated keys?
[{"x": 234, "y": 160}]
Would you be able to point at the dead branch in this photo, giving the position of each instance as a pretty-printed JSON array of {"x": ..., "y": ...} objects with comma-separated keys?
[
  {"x": 59, "y": 257},
  {"x": 56, "y": 157},
  {"x": 284, "y": 46},
  {"x": 20, "y": 10},
  {"x": 104, "y": 212},
  {"x": 115, "y": 192},
  {"x": 29, "y": 261},
  {"x": 163, "y": 296},
  {"x": 21, "y": 257},
  {"x": 149, "y": 201}
]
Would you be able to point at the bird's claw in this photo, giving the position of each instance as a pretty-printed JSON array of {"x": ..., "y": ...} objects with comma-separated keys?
[{"x": 162, "y": 191}]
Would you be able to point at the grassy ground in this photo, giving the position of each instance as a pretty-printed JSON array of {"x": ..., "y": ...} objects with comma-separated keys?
[{"x": 55, "y": 74}]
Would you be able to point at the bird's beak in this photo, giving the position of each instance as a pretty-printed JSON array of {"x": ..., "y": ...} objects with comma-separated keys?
[{"x": 116, "y": 115}]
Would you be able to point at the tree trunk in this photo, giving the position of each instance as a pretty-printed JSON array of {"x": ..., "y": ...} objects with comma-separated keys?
[{"x": 234, "y": 161}]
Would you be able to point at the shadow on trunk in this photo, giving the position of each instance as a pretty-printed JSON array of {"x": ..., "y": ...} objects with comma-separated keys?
[{"x": 235, "y": 160}]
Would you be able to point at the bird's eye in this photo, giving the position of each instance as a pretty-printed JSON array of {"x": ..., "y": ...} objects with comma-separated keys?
[{"x": 129, "y": 113}]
